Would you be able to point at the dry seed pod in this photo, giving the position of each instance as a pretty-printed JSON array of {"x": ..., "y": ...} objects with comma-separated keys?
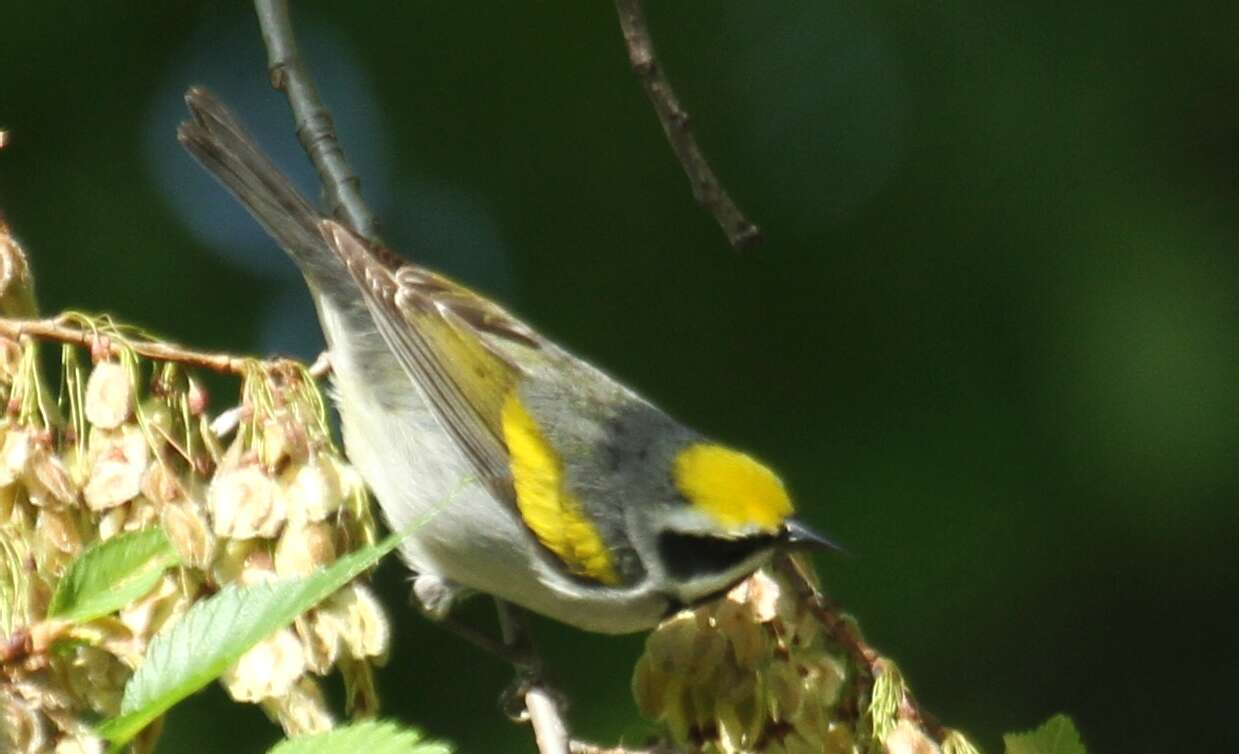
[
  {"x": 268, "y": 670},
  {"x": 303, "y": 549},
  {"x": 259, "y": 568},
  {"x": 188, "y": 531},
  {"x": 143, "y": 514},
  {"x": 97, "y": 678},
  {"x": 907, "y": 738},
  {"x": 230, "y": 560},
  {"x": 112, "y": 522},
  {"x": 75, "y": 745},
  {"x": 59, "y": 529},
  {"x": 367, "y": 632},
  {"x": 302, "y": 711},
  {"x": 245, "y": 503},
  {"x": 108, "y": 395},
  {"x": 167, "y": 601},
  {"x": 274, "y": 446},
  {"x": 786, "y": 691},
  {"x": 24, "y": 729},
  {"x": 161, "y": 484},
  {"x": 8, "y": 499},
  {"x": 319, "y": 632},
  {"x": 14, "y": 455},
  {"x": 48, "y": 480},
  {"x": 118, "y": 462},
  {"x": 313, "y": 491}
]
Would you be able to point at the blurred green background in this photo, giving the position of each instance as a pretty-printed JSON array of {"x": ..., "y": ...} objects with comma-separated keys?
[{"x": 990, "y": 339}]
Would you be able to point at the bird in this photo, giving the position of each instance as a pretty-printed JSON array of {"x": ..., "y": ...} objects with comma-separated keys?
[{"x": 518, "y": 469}]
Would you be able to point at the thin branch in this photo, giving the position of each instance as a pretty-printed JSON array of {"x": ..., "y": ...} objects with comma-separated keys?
[
  {"x": 844, "y": 631},
  {"x": 549, "y": 729},
  {"x": 63, "y": 330},
  {"x": 585, "y": 747},
  {"x": 315, "y": 129},
  {"x": 707, "y": 189}
]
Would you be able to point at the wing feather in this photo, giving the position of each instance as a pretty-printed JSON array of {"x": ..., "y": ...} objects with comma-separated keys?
[{"x": 463, "y": 380}]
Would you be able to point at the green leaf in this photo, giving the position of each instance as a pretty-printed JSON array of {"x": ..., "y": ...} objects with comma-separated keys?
[
  {"x": 1057, "y": 735},
  {"x": 214, "y": 634},
  {"x": 112, "y": 574},
  {"x": 373, "y": 737}
]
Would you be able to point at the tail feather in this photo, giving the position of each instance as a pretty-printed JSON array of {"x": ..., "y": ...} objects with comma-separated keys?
[{"x": 220, "y": 144}]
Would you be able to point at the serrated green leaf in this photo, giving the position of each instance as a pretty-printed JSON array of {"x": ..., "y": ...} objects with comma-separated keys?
[
  {"x": 372, "y": 737},
  {"x": 216, "y": 631},
  {"x": 112, "y": 574},
  {"x": 1057, "y": 735}
]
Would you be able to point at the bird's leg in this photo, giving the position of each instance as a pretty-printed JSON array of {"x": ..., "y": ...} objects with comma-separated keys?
[
  {"x": 529, "y": 698},
  {"x": 436, "y": 596}
]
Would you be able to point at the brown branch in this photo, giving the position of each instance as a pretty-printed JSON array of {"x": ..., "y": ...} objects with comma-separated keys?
[
  {"x": 584, "y": 747},
  {"x": 844, "y": 631},
  {"x": 65, "y": 330},
  {"x": 315, "y": 129},
  {"x": 707, "y": 189}
]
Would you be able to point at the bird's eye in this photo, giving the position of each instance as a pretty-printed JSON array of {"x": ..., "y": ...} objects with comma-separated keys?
[{"x": 691, "y": 556}]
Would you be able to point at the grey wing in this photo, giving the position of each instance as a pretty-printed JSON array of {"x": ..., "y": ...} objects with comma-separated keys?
[{"x": 464, "y": 381}]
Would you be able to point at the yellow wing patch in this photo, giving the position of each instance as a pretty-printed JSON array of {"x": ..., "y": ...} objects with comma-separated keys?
[
  {"x": 546, "y": 505},
  {"x": 731, "y": 487}
]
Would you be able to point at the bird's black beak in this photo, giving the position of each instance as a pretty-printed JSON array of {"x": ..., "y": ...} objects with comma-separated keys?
[{"x": 797, "y": 536}]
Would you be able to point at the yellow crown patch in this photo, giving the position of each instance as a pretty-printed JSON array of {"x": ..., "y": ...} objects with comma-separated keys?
[{"x": 731, "y": 487}]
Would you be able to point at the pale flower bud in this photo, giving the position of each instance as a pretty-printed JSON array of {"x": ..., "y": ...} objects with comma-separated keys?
[
  {"x": 268, "y": 670},
  {"x": 303, "y": 549},
  {"x": 119, "y": 461},
  {"x": 112, "y": 522},
  {"x": 245, "y": 503},
  {"x": 367, "y": 632},
  {"x": 303, "y": 711},
  {"x": 319, "y": 631},
  {"x": 163, "y": 605},
  {"x": 108, "y": 395},
  {"x": 14, "y": 455},
  {"x": 313, "y": 491}
]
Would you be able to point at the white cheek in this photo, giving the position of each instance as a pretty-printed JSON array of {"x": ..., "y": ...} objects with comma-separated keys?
[{"x": 686, "y": 519}]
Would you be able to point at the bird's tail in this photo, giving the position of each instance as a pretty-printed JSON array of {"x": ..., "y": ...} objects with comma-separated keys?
[{"x": 218, "y": 142}]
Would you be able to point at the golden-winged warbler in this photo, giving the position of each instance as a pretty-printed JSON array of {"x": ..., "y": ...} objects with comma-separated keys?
[{"x": 521, "y": 470}]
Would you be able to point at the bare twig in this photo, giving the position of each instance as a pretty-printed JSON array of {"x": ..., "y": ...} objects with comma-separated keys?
[
  {"x": 867, "y": 659},
  {"x": 707, "y": 190},
  {"x": 66, "y": 330},
  {"x": 549, "y": 729},
  {"x": 315, "y": 128},
  {"x": 585, "y": 747}
]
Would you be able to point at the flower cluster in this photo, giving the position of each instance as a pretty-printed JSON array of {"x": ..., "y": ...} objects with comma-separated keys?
[
  {"x": 751, "y": 672},
  {"x": 259, "y": 493},
  {"x": 762, "y": 671}
]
